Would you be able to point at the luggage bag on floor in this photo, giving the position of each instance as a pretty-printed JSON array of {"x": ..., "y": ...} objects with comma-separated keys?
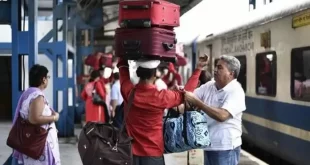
[
  {"x": 104, "y": 144},
  {"x": 148, "y": 43},
  {"x": 147, "y": 13}
]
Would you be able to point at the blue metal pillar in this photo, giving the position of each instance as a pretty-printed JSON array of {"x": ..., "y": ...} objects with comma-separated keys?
[
  {"x": 32, "y": 32},
  {"x": 63, "y": 83},
  {"x": 23, "y": 43}
]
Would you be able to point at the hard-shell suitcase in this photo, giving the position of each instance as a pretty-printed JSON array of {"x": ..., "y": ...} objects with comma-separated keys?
[
  {"x": 106, "y": 60},
  {"x": 93, "y": 60},
  {"x": 147, "y": 13},
  {"x": 146, "y": 43}
]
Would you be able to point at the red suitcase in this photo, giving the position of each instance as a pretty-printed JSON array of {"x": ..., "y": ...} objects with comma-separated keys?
[
  {"x": 145, "y": 13},
  {"x": 146, "y": 43},
  {"x": 106, "y": 60},
  {"x": 93, "y": 60}
]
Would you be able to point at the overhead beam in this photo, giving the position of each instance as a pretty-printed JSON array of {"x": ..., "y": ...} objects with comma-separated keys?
[
  {"x": 110, "y": 3},
  {"x": 188, "y": 7}
]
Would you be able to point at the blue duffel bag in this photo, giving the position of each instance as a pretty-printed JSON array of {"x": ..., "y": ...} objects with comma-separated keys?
[{"x": 186, "y": 132}]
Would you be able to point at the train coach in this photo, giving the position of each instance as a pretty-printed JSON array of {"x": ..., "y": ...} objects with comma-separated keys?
[{"x": 274, "y": 51}]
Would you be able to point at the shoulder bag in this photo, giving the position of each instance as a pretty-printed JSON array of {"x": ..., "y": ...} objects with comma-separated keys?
[
  {"x": 27, "y": 138},
  {"x": 103, "y": 143},
  {"x": 186, "y": 132},
  {"x": 97, "y": 100}
]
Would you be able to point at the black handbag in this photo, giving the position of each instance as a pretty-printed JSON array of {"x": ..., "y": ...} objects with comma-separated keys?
[
  {"x": 103, "y": 143},
  {"x": 96, "y": 98}
]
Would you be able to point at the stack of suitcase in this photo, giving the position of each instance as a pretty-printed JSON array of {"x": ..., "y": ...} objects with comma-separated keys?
[{"x": 146, "y": 30}]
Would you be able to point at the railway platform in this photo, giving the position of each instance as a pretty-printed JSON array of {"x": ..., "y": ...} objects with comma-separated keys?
[{"x": 70, "y": 155}]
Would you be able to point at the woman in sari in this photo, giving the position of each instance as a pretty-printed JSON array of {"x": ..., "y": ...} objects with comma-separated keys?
[{"x": 33, "y": 105}]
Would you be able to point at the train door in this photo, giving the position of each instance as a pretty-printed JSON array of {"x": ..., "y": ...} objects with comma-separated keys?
[
  {"x": 242, "y": 74},
  {"x": 5, "y": 88}
]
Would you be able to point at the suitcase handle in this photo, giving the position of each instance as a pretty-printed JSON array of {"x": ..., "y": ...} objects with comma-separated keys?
[
  {"x": 133, "y": 45},
  {"x": 168, "y": 46},
  {"x": 136, "y": 7}
]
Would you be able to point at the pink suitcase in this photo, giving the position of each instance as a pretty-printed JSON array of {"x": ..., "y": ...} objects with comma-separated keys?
[
  {"x": 147, "y": 13},
  {"x": 145, "y": 43}
]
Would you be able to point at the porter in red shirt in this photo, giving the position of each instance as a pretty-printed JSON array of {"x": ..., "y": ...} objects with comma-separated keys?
[{"x": 145, "y": 119}]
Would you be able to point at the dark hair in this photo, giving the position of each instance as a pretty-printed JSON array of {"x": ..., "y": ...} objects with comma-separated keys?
[
  {"x": 116, "y": 76},
  {"x": 94, "y": 74},
  {"x": 145, "y": 74},
  {"x": 216, "y": 61},
  {"x": 204, "y": 77},
  {"x": 101, "y": 69},
  {"x": 161, "y": 71},
  {"x": 114, "y": 59},
  {"x": 36, "y": 74}
]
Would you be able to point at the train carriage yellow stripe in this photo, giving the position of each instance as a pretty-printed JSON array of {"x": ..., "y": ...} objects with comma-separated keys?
[{"x": 279, "y": 127}]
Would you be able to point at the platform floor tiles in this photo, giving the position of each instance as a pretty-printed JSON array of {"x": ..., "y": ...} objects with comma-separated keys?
[{"x": 70, "y": 155}]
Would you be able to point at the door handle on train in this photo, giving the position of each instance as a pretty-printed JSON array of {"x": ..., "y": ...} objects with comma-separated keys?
[
  {"x": 168, "y": 46},
  {"x": 132, "y": 45}
]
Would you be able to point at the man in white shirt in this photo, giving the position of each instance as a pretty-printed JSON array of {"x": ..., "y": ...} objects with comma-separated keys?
[
  {"x": 223, "y": 100},
  {"x": 116, "y": 97}
]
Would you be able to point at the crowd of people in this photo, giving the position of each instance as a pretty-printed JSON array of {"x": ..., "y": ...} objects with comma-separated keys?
[{"x": 221, "y": 98}]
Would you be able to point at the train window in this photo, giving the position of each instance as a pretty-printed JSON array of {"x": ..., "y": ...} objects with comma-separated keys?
[
  {"x": 242, "y": 75},
  {"x": 266, "y": 73},
  {"x": 300, "y": 74}
]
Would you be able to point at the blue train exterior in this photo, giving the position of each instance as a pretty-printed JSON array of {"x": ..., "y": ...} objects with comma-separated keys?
[{"x": 274, "y": 51}]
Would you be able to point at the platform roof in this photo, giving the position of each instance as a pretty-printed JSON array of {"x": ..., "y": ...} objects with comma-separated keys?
[{"x": 111, "y": 9}]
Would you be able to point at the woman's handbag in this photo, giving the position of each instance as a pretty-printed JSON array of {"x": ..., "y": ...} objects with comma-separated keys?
[
  {"x": 103, "y": 143},
  {"x": 186, "y": 132},
  {"x": 96, "y": 98},
  {"x": 27, "y": 138}
]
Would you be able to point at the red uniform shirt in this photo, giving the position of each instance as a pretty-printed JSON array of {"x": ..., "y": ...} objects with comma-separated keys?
[{"x": 145, "y": 119}]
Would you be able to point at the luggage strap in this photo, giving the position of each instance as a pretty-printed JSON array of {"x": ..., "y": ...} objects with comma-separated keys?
[{"x": 126, "y": 112}]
